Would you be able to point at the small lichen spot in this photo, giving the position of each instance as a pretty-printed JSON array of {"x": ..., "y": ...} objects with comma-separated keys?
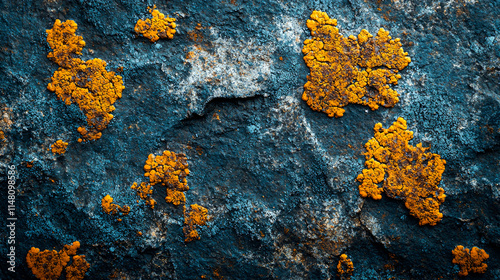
[
  {"x": 156, "y": 27},
  {"x": 59, "y": 147}
]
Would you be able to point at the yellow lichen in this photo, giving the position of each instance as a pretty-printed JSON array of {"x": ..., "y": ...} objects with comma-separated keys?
[
  {"x": 87, "y": 84},
  {"x": 175, "y": 197},
  {"x": 409, "y": 173},
  {"x": 59, "y": 147},
  {"x": 144, "y": 191},
  {"x": 196, "y": 216},
  {"x": 71, "y": 249},
  {"x": 156, "y": 27},
  {"x": 470, "y": 261},
  {"x": 345, "y": 267},
  {"x": 336, "y": 76},
  {"x": 77, "y": 269},
  {"x": 64, "y": 43},
  {"x": 48, "y": 265},
  {"x": 113, "y": 209},
  {"x": 169, "y": 169}
]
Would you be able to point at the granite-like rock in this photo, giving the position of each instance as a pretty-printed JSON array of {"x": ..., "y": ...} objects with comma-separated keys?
[{"x": 277, "y": 178}]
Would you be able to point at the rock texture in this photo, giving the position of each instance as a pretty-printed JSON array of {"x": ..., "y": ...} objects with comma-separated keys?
[{"x": 277, "y": 178}]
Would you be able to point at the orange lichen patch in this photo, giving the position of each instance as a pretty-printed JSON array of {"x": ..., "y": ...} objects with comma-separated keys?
[
  {"x": 2, "y": 135},
  {"x": 48, "y": 265},
  {"x": 470, "y": 261},
  {"x": 157, "y": 27},
  {"x": 71, "y": 249},
  {"x": 345, "y": 267},
  {"x": 336, "y": 63},
  {"x": 144, "y": 191},
  {"x": 77, "y": 269},
  {"x": 175, "y": 197},
  {"x": 64, "y": 43},
  {"x": 113, "y": 209},
  {"x": 59, "y": 147},
  {"x": 93, "y": 89},
  {"x": 196, "y": 216},
  {"x": 87, "y": 84},
  {"x": 169, "y": 169},
  {"x": 409, "y": 173},
  {"x": 381, "y": 51}
]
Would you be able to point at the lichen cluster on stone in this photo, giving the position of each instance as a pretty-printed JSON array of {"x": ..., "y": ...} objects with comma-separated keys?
[
  {"x": 48, "y": 265},
  {"x": 196, "y": 216},
  {"x": 113, "y": 209},
  {"x": 336, "y": 67},
  {"x": 343, "y": 70},
  {"x": 407, "y": 172},
  {"x": 77, "y": 269},
  {"x": 169, "y": 169},
  {"x": 345, "y": 268},
  {"x": 156, "y": 27},
  {"x": 470, "y": 260},
  {"x": 144, "y": 191},
  {"x": 85, "y": 83},
  {"x": 59, "y": 147}
]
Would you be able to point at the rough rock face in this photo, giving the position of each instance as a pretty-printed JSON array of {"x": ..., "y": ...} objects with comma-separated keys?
[{"x": 277, "y": 178}]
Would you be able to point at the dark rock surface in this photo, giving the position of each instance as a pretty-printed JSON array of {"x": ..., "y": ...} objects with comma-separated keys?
[{"x": 276, "y": 177}]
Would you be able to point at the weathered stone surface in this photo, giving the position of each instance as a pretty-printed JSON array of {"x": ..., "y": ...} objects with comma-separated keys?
[{"x": 277, "y": 178}]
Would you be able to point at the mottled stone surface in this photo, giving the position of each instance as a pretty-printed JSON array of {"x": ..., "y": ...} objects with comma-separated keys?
[{"x": 277, "y": 178}]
